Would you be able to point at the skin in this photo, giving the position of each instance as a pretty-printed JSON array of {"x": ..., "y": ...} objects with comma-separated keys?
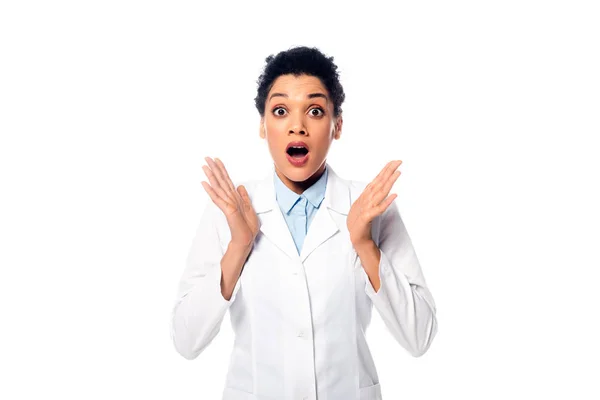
[
  {"x": 233, "y": 202},
  {"x": 292, "y": 114}
]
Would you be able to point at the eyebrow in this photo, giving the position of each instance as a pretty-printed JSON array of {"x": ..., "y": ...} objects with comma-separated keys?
[{"x": 310, "y": 96}]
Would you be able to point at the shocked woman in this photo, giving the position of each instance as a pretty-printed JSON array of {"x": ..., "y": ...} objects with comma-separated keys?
[{"x": 301, "y": 257}]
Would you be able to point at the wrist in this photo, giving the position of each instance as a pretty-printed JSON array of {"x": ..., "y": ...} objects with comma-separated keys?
[
  {"x": 363, "y": 244},
  {"x": 238, "y": 246}
]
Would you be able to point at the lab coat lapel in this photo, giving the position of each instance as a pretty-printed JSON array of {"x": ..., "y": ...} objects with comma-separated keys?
[
  {"x": 272, "y": 223},
  {"x": 322, "y": 227}
]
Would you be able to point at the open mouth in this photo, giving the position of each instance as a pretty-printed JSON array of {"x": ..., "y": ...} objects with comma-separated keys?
[{"x": 297, "y": 151}]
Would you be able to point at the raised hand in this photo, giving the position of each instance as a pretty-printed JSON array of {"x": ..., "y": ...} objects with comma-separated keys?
[
  {"x": 234, "y": 203},
  {"x": 371, "y": 203}
]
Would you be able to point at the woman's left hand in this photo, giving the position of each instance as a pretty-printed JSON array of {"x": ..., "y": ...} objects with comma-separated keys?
[{"x": 371, "y": 203}]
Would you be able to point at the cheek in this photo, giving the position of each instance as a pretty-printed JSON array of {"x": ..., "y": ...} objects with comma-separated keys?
[
  {"x": 322, "y": 131},
  {"x": 274, "y": 127},
  {"x": 320, "y": 125},
  {"x": 274, "y": 136}
]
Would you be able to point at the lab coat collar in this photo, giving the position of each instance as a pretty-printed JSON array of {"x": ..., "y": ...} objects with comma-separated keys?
[{"x": 323, "y": 226}]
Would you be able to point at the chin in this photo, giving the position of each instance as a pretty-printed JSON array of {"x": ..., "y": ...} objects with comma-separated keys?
[{"x": 298, "y": 174}]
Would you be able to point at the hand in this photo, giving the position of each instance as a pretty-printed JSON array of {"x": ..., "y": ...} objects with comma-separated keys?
[
  {"x": 371, "y": 203},
  {"x": 235, "y": 203}
]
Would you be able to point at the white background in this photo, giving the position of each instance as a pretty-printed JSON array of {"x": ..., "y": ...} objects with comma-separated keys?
[{"x": 107, "y": 110}]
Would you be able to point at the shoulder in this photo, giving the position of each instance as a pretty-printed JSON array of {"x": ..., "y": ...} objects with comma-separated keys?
[
  {"x": 355, "y": 187},
  {"x": 252, "y": 186}
]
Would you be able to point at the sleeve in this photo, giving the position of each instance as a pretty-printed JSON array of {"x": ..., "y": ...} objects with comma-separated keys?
[
  {"x": 200, "y": 307},
  {"x": 403, "y": 299}
]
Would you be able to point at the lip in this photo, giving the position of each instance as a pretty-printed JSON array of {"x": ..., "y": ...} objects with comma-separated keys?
[
  {"x": 297, "y": 143},
  {"x": 298, "y": 162}
]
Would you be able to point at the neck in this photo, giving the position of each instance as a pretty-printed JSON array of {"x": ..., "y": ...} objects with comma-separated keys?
[{"x": 300, "y": 187}]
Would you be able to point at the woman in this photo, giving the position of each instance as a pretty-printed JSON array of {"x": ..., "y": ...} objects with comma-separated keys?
[{"x": 300, "y": 299}]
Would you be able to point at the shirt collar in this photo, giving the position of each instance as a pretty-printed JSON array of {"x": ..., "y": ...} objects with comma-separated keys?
[{"x": 288, "y": 198}]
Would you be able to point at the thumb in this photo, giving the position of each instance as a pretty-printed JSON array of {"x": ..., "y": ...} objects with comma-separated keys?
[{"x": 244, "y": 194}]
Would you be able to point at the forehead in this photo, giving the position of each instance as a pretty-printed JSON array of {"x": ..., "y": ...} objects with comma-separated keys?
[{"x": 298, "y": 86}]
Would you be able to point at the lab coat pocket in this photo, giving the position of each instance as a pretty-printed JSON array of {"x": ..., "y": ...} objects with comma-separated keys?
[
  {"x": 235, "y": 394},
  {"x": 372, "y": 392}
]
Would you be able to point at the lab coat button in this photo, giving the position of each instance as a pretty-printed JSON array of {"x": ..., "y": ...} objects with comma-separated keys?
[{"x": 300, "y": 334}]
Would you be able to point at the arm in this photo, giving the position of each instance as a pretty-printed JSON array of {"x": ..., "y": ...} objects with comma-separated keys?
[
  {"x": 207, "y": 288},
  {"x": 396, "y": 285}
]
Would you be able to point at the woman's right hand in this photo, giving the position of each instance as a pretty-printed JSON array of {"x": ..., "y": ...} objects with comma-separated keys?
[{"x": 234, "y": 203}]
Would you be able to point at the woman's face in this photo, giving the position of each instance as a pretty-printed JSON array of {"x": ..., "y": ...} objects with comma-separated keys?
[{"x": 298, "y": 108}]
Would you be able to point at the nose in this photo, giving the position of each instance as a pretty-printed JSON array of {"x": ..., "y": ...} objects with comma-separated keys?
[{"x": 297, "y": 125}]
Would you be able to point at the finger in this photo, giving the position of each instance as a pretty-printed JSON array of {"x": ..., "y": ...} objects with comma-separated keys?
[
  {"x": 383, "y": 171},
  {"x": 244, "y": 196},
  {"x": 215, "y": 197},
  {"x": 225, "y": 174},
  {"x": 387, "y": 171},
  {"x": 219, "y": 177},
  {"x": 216, "y": 186},
  {"x": 229, "y": 182},
  {"x": 374, "y": 182},
  {"x": 378, "y": 189},
  {"x": 243, "y": 192},
  {"x": 384, "y": 190},
  {"x": 380, "y": 209},
  {"x": 384, "y": 174},
  {"x": 249, "y": 212}
]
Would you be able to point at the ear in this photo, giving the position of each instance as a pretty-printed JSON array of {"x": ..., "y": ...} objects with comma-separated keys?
[
  {"x": 261, "y": 129},
  {"x": 338, "y": 127}
]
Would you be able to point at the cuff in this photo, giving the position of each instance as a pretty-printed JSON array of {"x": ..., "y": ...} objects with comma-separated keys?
[
  {"x": 384, "y": 270},
  {"x": 215, "y": 284}
]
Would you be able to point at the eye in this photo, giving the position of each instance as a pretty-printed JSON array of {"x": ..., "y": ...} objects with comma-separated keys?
[
  {"x": 279, "y": 111},
  {"x": 317, "y": 112}
]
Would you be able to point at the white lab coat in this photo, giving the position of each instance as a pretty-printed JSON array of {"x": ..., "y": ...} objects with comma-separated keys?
[{"x": 300, "y": 320}]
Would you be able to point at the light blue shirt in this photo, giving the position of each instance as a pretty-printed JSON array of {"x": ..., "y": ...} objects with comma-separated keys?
[{"x": 299, "y": 209}]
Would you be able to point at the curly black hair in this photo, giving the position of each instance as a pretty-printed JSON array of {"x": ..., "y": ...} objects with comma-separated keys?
[{"x": 298, "y": 61}]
